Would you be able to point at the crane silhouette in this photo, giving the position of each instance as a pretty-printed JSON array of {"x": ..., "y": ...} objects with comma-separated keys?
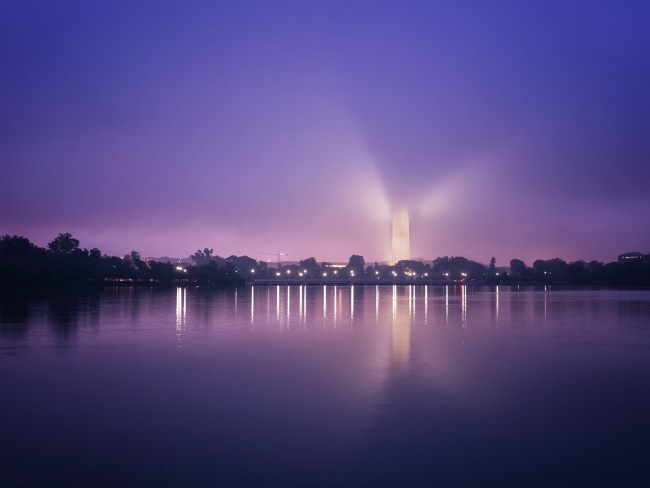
[{"x": 278, "y": 254}]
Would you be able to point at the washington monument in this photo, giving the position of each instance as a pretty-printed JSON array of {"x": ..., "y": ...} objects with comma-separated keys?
[{"x": 401, "y": 244}]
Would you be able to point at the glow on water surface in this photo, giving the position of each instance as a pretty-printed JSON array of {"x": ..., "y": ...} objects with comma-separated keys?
[{"x": 320, "y": 385}]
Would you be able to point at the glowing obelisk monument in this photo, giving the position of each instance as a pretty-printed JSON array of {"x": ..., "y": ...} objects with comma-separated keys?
[{"x": 401, "y": 244}]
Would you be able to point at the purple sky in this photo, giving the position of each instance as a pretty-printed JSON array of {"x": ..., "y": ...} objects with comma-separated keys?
[{"x": 514, "y": 130}]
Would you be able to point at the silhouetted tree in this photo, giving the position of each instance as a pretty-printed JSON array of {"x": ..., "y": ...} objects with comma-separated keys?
[
  {"x": 133, "y": 260},
  {"x": 418, "y": 268},
  {"x": 577, "y": 273},
  {"x": 263, "y": 269},
  {"x": 63, "y": 244},
  {"x": 456, "y": 266},
  {"x": 558, "y": 268},
  {"x": 212, "y": 273},
  {"x": 243, "y": 264},
  {"x": 540, "y": 269},
  {"x": 356, "y": 264},
  {"x": 385, "y": 271},
  {"x": 15, "y": 246},
  {"x": 162, "y": 272},
  {"x": 202, "y": 257},
  {"x": 311, "y": 266},
  {"x": 492, "y": 269},
  {"x": 23, "y": 262},
  {"x": 518, "y": 269}
]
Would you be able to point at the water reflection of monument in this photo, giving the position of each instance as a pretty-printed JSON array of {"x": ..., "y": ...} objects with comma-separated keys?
[
  {"x": 398, "y": 313},
  {"x": 397, "y": 307},
  {"x": 401, "y": 330},
  {"x": 339, "y": 304},
  {"x": 404, "y": 306}
]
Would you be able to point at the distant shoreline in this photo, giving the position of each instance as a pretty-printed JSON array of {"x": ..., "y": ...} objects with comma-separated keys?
[{"x": 268, "y": 283}]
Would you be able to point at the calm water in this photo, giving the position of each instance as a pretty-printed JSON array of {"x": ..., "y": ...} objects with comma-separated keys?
[{"x": 295, "y": 386}]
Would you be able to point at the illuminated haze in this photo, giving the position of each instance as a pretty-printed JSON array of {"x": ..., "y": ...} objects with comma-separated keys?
[{"x": 516, "y": 130}]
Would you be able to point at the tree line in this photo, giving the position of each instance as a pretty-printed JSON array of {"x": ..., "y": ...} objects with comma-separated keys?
[
  {"x": 459, "y": 269},
  {"x": 63, "y": 261}
]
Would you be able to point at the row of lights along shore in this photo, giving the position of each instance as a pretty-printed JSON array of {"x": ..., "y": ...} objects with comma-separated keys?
[{"x": 335, "y": 273}]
